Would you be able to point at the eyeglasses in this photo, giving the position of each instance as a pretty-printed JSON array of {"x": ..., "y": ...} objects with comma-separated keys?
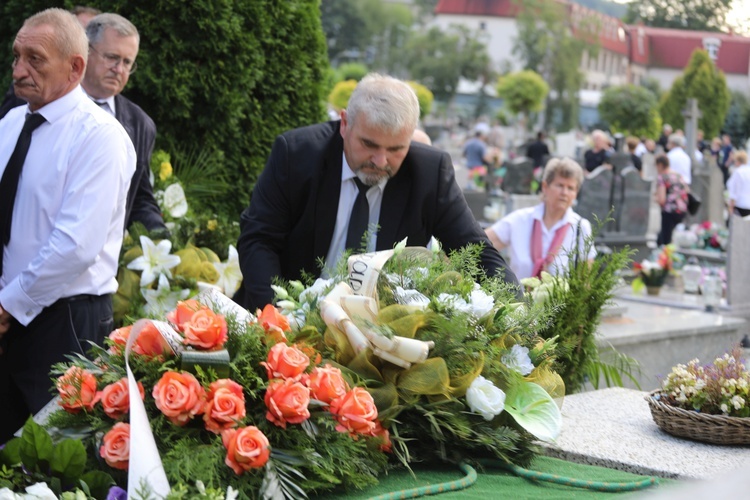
[{"x": 114, "y": 60}]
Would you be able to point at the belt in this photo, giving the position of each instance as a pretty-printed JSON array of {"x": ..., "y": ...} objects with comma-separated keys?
[{"x": 80, "y": 298}]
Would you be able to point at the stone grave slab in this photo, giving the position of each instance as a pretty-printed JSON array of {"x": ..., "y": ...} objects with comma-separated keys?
[
  {"x": 738, "y": 264},
  {"x": 634, "y": 211},
  {"x": 595, "y": 195},
  {"x": 518, "y": 176}
]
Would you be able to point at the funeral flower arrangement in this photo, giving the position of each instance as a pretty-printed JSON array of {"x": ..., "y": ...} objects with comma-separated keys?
[
  {"x": 653, "y": 273},
  {"x": 719, "y": 388},
  {"x": 421, "y": 362},
  {"x": 706, "y": 236}
]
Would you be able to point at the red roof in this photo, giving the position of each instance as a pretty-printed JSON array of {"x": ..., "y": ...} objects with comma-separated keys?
[{"x": 501, "y": 8}]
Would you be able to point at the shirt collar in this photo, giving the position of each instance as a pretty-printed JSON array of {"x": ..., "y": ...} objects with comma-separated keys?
[
  {"x": 109, "y": 100},
  {"x": 567, "y": 218},
  {"x": 61, "y": 106}
]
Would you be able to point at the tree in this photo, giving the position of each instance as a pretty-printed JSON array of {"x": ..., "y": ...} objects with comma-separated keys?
[
  {"x": 226, "y": 77},
  {"x": 631, "y": 109},
  {"x": 737, "y": 123},
  {"x": 439, "y": 59},
  {"x": 351, "y": 71},
  {"x": 342, "y": 91},
  {"x": 545, "y": 43},
  {"x": 424, "y": 96},
  {"x": 703, "y": 81},
  {"x": 700, "y": 15},
  {"x": 523, "y": 92}
]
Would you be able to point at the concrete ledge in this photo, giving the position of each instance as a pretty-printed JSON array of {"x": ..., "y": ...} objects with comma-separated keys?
[{"x": 614, "y": 428}]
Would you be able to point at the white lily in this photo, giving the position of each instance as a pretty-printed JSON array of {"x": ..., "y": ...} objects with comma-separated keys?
[
  {"x": 230, "y": 274},
  {"x": 435, "y": 245},
  {"x": 155, "y": 260},
  {"x": 174, "y": 201},
  {"x": 163, "y": 299}
]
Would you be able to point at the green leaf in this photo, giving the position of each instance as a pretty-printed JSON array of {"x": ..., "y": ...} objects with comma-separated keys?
[
  {"x": 11, "y": 454},
  {"x": 98, "y": 483},
  {"x": 36, "y": 445},
  {"x": 637, "y": 284},
  {"x": 69, "y": 459},
  {"x": 534, "y": 410}
]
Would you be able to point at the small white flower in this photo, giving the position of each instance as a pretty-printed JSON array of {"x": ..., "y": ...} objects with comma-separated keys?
[
  {"x": 6, "y": 494},
  {"x": 39, "y": 491},
  {"x": 280, "y": 292},
  {"x": 286, "y": 305},
  {"x": 232, "y": 494},
  {"x": 317, "y": 290},
  {"x": 297, "y": 286},
  {"x": 200, "y": 487},
  {"x": 155, "y": 260},
  {"x": 738, "y": 402},
  {"x": 481, "y": 302},
  {"x": 518, "y": 359},
  {"x": 485, "y": 399},
  {"x": 174, "y": 201},
  {"x": 435, "y": 245},
  {"x": 163, "y": 299},
  {"x": 230, "y": 274},
  {"x": 724, "y": 408},
  {"x": 400, "y": 246}
]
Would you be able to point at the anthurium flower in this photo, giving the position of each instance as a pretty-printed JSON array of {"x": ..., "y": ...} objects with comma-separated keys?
[
  {"x": 156, "y": 259},
  {"x": 163, "y": 299},
  {"x": 230, "y": 274}
]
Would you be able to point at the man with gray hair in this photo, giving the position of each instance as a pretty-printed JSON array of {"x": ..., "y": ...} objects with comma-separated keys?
[
  {"x": 679, "y": 161},
  {"x": 113, "y": 42},
  {"x": 65, "y": 168},
  {"x": 360, "y": 183}
]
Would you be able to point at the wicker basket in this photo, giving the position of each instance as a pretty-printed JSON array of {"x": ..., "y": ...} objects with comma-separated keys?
[{"x": 714, "y": 429}]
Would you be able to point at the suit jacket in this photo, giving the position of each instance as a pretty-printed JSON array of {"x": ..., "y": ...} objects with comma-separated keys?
[
  {"x": 290, "y": 221},
  {"x": 141, "y": 206}
]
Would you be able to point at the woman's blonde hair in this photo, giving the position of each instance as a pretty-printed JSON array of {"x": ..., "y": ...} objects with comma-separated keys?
[{"x": 565, "y": 168}]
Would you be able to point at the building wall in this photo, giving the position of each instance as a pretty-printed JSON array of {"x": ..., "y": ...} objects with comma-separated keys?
[{"x": 500, "y": 31}]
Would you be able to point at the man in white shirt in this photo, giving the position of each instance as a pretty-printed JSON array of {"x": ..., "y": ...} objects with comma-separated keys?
[
  {"x": 66, "y": 224},
  {"x": 679, "y": 160}
]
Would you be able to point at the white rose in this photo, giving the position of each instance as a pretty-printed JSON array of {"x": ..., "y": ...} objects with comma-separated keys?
[
  {"x": 481, "y": 303},
  {"x": 174, "y": 201},
  {"x": 6, "y": 494},
  {"x": 40, "y": 491},
  {"x": 518, "y": 359},
  {"x": 484, "y": 398}
]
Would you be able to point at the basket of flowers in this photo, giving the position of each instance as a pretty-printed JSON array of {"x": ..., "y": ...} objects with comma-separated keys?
[
  {"x": 705, "y": 403},
  {"x": 652, "y": 274}
]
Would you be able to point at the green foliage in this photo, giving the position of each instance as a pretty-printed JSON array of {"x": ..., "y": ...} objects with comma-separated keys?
[
  {"x": 228, "y": 76},
  {"x": 653, "y": 86},
  {"x": 703, "y": 81},
  {"x": 699, "y": 15},
  {"x": 351, "y": 71},
  {"x": 737, "y": 122},
  {"x": 546, "y": 45},
  {"x": 439, "y": 58},
  {"x": 424, "y": 96},
  {"x": 342, "y": 91},
  {"x": 631, "y": 110},
  {"x": 523, "y": 92}
]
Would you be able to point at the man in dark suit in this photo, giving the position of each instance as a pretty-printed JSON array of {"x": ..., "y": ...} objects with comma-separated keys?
[
  {"x": 113, "y": 42},
  {"x": 310, "y": 189}
]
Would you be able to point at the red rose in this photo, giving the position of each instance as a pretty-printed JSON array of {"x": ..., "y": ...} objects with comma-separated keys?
[
  {"x": 225, "y": 406},
  {"x": 287, "y": 402},
  {"x": 355, "y": 412},
  {"x": 179, "y": 396},
  {"x": 115, "y": 449},
  {"x": 247, "y": 448},
  {"x": 115, "y": 398},
  {"x": 77, "y": 388},
  {"x": 326, "y": 384},
  {"x": 286, "y": 362}
]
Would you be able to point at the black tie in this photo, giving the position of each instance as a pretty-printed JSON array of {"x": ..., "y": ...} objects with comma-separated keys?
[
  {"x": 360, "y": 217},
  {"x": 9, "y": 182}
]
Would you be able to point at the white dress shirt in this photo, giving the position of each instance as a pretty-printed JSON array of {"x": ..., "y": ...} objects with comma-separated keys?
[
  {"x": 514, "y": 230},
  {"x": 679, "y": 161},
  {"x": 70, "y": 208},
  {"x": 738, "y": 186},
  {"x": 347, "y": 197}
]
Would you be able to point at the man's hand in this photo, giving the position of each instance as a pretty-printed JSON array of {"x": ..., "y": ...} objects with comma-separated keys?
[{"x": 4, "y": 321}]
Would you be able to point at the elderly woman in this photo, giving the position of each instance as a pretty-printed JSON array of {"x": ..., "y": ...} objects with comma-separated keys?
[
  {"x": 672, "y": 196},
  {"x": 544, "y": 237},
  {"x": 738, "y": 186}
]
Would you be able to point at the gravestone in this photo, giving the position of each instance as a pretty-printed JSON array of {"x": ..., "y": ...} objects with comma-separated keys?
[
  {"x": 518, "y": 176},
  {"x": 648, "y": 170},
  {"x": 738, "y": 265},
  {"x": 477, "y": 200},
  {"x": 708, "y": 185},
  {"x": 565, "y": 144},
  {"x": 594, "y": 197},
  {"x": 634, "y": 211}
]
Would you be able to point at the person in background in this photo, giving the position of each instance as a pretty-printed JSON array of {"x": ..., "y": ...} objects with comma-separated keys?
[
  {"x": 679, "y": 160},
  {"x": 666, "y": 131},
  {"x": 672, "y": 196},
  {"x": 599, "y": 154},
  {"x": 725, "y": 156},
  {"x": 420, "y": 135},
  {"x": 478, "y": 155},
  {"x": 633, "y": 143},
  {"x": 356, "y": 184},
  {"x": 113, "y": 42},
  {"x": 545, "y": 237},
  {"x": 65, "y": 167},
  {"x": 738, "y": 186},
  {"x": 538, "y": 150},
  {"x": 701, "y": 143}
]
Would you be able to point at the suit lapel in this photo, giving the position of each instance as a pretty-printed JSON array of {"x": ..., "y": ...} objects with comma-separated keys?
[
  {"x": 327, "y": 202},
  {"x": 123, "y": 116},
  {"x": 393, "y": 207}
]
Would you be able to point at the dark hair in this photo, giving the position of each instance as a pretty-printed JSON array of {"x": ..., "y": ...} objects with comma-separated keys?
[{"x": 662, "y": 160}]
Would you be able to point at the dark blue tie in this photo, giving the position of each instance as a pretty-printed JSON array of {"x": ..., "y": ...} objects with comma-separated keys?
[
  {"x": 9, "y": 182},
  {"x": 359, "y": 219}
]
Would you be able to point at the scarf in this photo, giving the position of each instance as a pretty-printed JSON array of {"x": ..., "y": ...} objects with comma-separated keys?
[{"x": 541, "y": 263}]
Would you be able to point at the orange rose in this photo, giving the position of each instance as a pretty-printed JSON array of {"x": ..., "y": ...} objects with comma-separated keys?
[
  {"x": 150, "y": 342},
  {"x": 119, "y": 339},
  {"x": 115, "y": 398},
  {"x": 225, "y": 406},
  {"x": 327, "y": 384},
  {"x": 310, "y": 352},
  {"x": 77, "y": 388},
  {"x": 183, "y": 312},
  {"x": 273, "y": 322},
  {"x": 115, "y": 449},
  {"x": 285, "y": 362},
  {"x": 385, "y": 437},
  {"x": 205, "y": 330},
  {"x": 179, "y": 396},
  {"x": 355, "y": 412},
  {"x": 247, "y": 448},
  {"x": 287, "y": 401}
]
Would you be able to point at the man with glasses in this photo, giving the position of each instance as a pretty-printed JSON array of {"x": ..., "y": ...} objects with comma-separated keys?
[{"x": 113, "y": 48}]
